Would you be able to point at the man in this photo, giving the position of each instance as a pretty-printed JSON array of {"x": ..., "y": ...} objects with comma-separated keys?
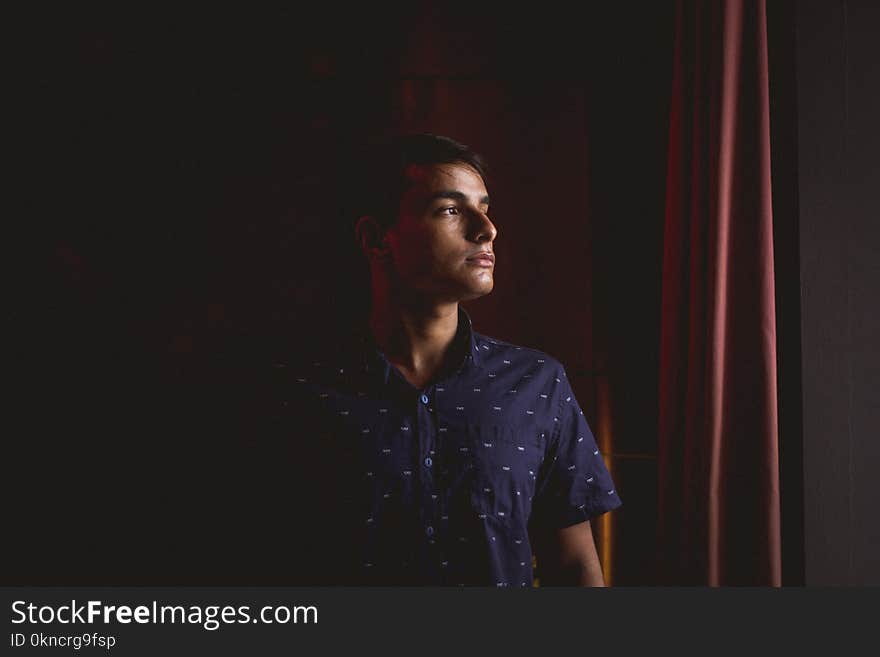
[{"x": 423, "y": 452}]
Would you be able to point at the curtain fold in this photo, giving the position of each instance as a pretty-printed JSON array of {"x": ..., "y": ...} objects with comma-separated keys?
[{"x": 718, "y": 475}]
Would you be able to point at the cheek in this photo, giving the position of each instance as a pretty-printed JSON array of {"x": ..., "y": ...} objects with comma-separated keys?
[
  {"x": 414, "y": 254},
  {"x": 425, "y": 251}
]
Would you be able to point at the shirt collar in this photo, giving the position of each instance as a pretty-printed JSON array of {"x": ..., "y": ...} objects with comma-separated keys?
[{"x": 376, "y": 365}]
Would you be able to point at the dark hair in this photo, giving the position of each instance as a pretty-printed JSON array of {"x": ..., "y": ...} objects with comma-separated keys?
[{"x": 380, "y": 178}]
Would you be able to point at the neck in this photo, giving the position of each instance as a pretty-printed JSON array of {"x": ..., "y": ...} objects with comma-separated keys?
[{"x": 414, "y": 335}]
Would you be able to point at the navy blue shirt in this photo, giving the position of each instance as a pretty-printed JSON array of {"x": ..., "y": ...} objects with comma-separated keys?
[{"x": 434, "y": 486}]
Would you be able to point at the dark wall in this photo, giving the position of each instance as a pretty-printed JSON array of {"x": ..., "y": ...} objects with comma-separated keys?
[
  {"x": 188, "y": 193},
  {"x": 838, "y": 102}
]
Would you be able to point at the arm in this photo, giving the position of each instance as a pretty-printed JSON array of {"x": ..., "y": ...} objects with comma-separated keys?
[
  {"x": 569, "y": 558},
  {"x": 575, "y": 487}
]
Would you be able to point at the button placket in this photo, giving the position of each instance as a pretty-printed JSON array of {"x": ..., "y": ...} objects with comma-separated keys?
[{"x": 427, "y": 438}]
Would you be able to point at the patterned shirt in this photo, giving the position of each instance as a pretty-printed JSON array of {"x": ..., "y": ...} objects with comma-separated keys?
[{"x": 440, "y": 485}]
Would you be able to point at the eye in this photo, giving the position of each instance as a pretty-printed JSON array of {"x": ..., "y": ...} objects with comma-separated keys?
[{"x": 449, "y": 210}]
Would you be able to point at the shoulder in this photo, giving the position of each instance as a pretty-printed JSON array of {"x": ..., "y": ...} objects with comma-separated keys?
[
  {"x": 273, "y": 358},
  {"x": 492, "y": 349}
]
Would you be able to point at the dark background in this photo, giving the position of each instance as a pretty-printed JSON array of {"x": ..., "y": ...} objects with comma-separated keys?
[
  {"x": 185, "y": 176},
  {"x": 194, "y": 197}
]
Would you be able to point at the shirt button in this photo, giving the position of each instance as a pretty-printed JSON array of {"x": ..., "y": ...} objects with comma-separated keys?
[
  {"x": 429, "y": 462},
  {"x": 424, "y": 399},
  {"x": 429, "y": 530}
]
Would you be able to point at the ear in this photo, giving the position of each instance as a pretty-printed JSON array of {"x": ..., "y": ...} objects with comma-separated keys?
[{"x": 371, "y": 238}]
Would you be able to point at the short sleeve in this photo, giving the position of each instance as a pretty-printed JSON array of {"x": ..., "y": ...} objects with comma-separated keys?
[{"x": 577, "y": 485}]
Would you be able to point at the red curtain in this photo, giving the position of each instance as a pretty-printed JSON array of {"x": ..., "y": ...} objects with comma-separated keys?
[{"x": 718, "y": 497}]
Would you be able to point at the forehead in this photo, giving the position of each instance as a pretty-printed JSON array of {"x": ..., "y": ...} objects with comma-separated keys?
[{"x": 429, "y": 178}]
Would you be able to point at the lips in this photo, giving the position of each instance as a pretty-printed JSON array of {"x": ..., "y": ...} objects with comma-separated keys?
[{"x": 483, "y": 257}]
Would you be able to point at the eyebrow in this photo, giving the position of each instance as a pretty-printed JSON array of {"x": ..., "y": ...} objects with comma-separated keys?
[{"x": 455, "y": 196}]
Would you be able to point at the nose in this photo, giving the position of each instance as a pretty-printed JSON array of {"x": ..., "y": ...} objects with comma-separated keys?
[{"x": 482, "y": 228}]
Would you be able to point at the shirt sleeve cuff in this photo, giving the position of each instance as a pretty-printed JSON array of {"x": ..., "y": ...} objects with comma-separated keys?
[{"x": 573, "y": 516}]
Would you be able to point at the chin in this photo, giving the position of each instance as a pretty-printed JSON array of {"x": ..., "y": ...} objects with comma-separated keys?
[{"x": 477, "y": 292}]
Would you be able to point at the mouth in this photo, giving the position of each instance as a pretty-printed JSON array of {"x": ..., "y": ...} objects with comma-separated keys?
[{"x": 482, "y": 259}]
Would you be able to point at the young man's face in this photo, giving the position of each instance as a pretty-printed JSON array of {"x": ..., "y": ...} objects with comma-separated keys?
[{"x": 439, "y": 244}]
